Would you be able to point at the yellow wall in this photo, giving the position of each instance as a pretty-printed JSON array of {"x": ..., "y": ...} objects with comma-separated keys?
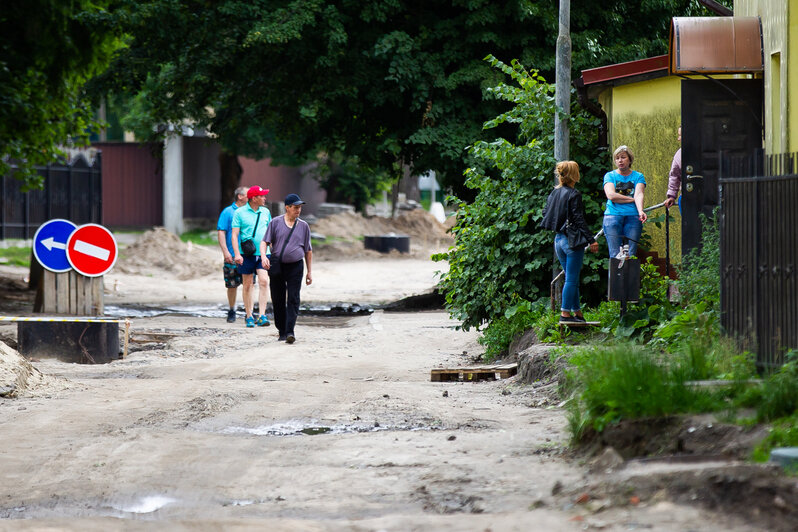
[
  {"x": 645, "y": 117},
  {"x": 791, "y": 79},
  {"x": 779, "y": 21}
]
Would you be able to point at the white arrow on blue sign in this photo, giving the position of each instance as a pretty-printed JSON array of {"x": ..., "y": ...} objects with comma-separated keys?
[{"x": 49, "y": 244}]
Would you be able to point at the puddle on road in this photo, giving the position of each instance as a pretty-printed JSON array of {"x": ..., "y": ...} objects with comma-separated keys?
[
  {"x": 220, "y": 311},
  {"x": 145, "y": 505},
  {"x": 305, "y": 428}
]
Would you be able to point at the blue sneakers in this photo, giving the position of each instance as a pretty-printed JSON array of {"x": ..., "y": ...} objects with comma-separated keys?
[
  {"x": 250, "y": 321},
  {"x": 263, "y": 321}
]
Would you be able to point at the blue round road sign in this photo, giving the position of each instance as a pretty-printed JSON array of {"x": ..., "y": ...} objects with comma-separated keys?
[{"x": 49, "y": 244}]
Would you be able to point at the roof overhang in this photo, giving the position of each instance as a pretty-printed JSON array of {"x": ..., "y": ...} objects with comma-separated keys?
[
  {"x": 642, "y": 69},
  {"x": 715, "y": 45}
]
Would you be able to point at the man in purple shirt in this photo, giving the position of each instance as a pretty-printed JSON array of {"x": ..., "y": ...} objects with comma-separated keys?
[
  {"x": 675, "y": 176},
  {"x": 289, "y": 239}
]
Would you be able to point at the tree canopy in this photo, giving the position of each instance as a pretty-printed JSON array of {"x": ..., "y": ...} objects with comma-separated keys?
[
  {"x": 48, "y": 50},
  {"x": 382, "y": 81}
]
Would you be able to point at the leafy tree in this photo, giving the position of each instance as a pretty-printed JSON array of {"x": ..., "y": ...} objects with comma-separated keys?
[
  {"x": 348, "y": 181},
  {"x": 502, "y": 259},
  {"x": 48, "y": 50},
  {"x": 389, "y": 83}
]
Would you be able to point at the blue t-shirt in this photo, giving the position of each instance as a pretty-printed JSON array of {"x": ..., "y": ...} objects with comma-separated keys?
[
  {"x": 623, "y": 185},
  {"x": 225, "y": 224},
  {"x": 245, "y": 218}
]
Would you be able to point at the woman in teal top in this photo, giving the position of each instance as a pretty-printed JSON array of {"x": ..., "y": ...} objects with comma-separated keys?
[{"x": 625, "y": 190}]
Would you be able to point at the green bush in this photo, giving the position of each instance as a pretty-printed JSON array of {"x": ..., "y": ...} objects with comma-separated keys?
[
  {"x": 520, "y": 317},
  {"x": 699, "y": 274},
  {"x": 653, "y": 308},
  {"x": 783, "y": 433},
  {"x": 778, "y": 395},
  {"x": 776, "y": 402},
  {"x": 501, "y": 256}
]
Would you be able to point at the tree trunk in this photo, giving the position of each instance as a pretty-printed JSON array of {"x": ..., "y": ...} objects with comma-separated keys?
[
  {"x": 409, "y": 184},
  {"x": 231, "y": 177}
]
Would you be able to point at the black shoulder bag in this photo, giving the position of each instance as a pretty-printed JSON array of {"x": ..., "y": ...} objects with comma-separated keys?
[
  {"x": 275, "y": 262},
  {"x": 248, "y": 247},
  {"x": 576, "y": 237}
]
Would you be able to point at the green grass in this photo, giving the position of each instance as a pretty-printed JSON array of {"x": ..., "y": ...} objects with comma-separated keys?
[
  {"x": 315, "y": 242},
  {"x": 201, "y": 237},
  {"x": 783, "y": 433},
  {"x": 16, "y": 256},
  {"x": 628, "y": 381}
]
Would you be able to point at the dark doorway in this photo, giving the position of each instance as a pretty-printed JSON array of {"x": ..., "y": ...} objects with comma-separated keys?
[{"x": 718, "y": 117}]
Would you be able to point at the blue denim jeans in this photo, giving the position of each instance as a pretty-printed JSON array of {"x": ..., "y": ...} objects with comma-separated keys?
[
  {"x": 571, "y": 262},
  {"x": 616, "y": 227}
]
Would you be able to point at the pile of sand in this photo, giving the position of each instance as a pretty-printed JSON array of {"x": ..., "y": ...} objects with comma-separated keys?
[
  {"x": 344, "y": 230},
  {"x": 159, "y": 250},
  {"x": 417, "y": 224},
  {"x": 18, "y": 377}
]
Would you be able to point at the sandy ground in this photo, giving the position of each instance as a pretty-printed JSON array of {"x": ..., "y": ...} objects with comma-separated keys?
[{"x": 203, "y": 429}]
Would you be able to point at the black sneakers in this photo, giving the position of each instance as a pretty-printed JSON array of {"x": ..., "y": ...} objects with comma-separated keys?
[
  {"x": 231, "y": 315},
  {"x": 571, "y": 319}
]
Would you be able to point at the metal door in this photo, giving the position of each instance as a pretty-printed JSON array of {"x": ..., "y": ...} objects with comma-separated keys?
[{"x": 718, "y": 117}]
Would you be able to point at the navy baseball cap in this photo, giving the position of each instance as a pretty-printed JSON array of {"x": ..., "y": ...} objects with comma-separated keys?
[{"x": 293, "y": 199}]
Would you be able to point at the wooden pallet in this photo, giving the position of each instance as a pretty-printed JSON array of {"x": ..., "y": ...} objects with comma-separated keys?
[{"x": 481, "y": 373}]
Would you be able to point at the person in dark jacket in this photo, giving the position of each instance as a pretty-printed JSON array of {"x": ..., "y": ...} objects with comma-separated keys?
[{"x": 565, "y": 204}]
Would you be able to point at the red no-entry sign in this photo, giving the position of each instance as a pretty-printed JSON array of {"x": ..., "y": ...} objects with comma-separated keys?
[{"x": 91, "y": 250}]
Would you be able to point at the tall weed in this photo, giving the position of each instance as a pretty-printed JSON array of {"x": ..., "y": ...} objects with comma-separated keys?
[
  {"x": 627, "y": 381},
  {"x": 699, "y": 274}
]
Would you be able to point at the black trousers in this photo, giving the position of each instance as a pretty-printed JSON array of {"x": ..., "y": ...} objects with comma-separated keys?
[{"x": 285, "y": 287}]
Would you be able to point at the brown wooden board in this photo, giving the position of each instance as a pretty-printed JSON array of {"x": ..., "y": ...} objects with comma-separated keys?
[{"x": 479, "y": 373}]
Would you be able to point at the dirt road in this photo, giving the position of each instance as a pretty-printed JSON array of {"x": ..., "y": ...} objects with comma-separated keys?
[{"x": 219, "y": 427}]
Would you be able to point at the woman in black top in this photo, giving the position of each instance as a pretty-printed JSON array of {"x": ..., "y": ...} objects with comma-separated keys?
[{"x": 565, "y": 204}]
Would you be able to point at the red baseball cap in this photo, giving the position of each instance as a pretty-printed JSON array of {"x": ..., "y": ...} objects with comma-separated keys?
[{"x": 256, "y": 191}]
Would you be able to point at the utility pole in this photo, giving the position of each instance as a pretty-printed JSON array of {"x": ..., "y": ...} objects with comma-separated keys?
[
  {"x": 562, "y": 103},
  {"x": 562, "y": 92}
]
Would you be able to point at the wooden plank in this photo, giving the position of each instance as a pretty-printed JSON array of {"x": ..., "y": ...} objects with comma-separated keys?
[
  {"x": 73, "y": 292},
  {"x": 494, "y": 372},
  {"x": 151, "y": 336},
  {"x": 79, "y": 299},
  {"x": 62, "y": 293},
  {"x": 49, "y": 292},
  {"x": 97, "y": 296}
]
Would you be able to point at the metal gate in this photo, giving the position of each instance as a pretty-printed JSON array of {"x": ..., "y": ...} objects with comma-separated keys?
[
  {"x": 71, "y": 191},
  {"x": 759, "y": 254}
]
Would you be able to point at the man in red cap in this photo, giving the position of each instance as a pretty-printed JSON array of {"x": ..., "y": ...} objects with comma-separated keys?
[{"x": 249, "y": 226}]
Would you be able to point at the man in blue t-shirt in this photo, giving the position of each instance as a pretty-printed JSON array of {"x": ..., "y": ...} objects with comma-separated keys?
[
  {"x": 249, "y": 225},
  {"x": 224, "y": 234}
]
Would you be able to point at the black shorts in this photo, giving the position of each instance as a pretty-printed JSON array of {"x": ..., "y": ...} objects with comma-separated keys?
[{"x": 232, "y": 279}]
